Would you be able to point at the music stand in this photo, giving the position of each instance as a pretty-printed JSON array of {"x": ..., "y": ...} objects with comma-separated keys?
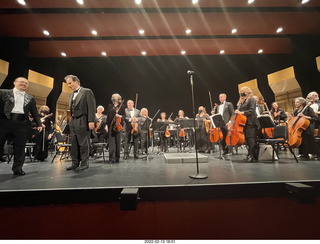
[
  {"x": 159, "y": 126},
  {"x": 145, "y": 127},
  {"x": 218, "y": 121}
]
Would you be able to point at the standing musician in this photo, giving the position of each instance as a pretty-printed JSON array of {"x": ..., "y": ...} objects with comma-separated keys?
[
  {"x": 182, "y": 133},
  {"x": 307, "y": 145},
  {"x": 277, "y": 113},
  {"x": 247, "y": 107},
  {"x": 42, "y": 138},
  {"x": 115, "y": 114},
  {"x": 203, "y": 142},
  {"x": 82, "y": 106},
  {"x": 15, "y": 106},
  {"x": 144, "y": 130},
  {"x": 163, "y": 139},
  {"x": 131, "y": 117},
  {"x": 226, "y": 110},
  {"x": 100, "y": 123},
  {"x": 259, "y": 108}
]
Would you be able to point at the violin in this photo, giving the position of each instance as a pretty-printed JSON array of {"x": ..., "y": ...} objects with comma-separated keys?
[
  {"x": 134, "y": 125},
  {"x": 182, "y": 133},
  {"x": 235, "y": 135},
  {"x": 98, "y": 125},
  {"x": 117, "y": 127},
  {"x": 44, "y": 117},
  {"x": 296, "y": 126},
  {"x": 167, "y": 133}
]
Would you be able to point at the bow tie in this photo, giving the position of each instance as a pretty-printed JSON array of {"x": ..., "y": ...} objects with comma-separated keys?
[
  {"x": 130, "y": 109},
  {"x": 22, "y": 93},
  {"x": 76, "y": 91}
]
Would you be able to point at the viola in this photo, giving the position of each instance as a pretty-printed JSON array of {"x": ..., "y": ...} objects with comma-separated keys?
[
  {"x": 98, "y": 126},
  {"x": 117, "y": 127},
  {"x": 295, "y": 128},
  {"x": 182, "y": 133},
  {"x": 167, "y": 133},
  {"x": 235, "y": 135}
]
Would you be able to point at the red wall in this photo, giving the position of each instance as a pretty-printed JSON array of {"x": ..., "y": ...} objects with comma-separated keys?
[{"x": 254, "y": 218}]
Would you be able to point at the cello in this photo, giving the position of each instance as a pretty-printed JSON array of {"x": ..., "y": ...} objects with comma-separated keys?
[
  {"x": 134, "y": 125},
  {"x": 215, "y": 133},
  {"x": 235, "y": 135},
  {"x": 296, "y": 126}
]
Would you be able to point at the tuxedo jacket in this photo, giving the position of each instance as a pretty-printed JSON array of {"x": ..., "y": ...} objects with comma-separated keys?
[
  {"x": 83, "y": 106},
  {"x": 7, "y": 104},
  {"x": 128, "y": 117},
  {"x": 112, "y": 112},
  {"x": 228, "y": 111}
]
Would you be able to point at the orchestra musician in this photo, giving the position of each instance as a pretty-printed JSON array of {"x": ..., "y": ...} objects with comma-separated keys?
[
  {"x": 247, "y": 107},
  {"x": 182, "y": 139},
  {"x": 203, "y": 142},
  {"x": 313, "y": 97},
  {"x": 15, "y": 106},
  {"x": 144, "y": 130},
  {"x": 115, "y": 114},
  {"x": 307, "y": 145},
  {"x": 131, "y": 116},
  {"x": 82, "y": 107},
  {"x": 277, "y": 113},
  {"x": 100, "y": 123},
  {"x": 226, "y": 110},
  {"x": 259, "y": 108},
  {"x": 163, "y": 139},
  {"x": 42, "y": 138}
]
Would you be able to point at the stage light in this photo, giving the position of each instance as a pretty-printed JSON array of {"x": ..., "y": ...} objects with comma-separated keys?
[
  {"x": 94, "y": 32},
  {"x": 80, "y": 2},
  {"x": 251, "y": 1},
  {"x": 188, "y": 31},
  {"x": 260, "y": 51},
  {"x": 103, "y": 53},
  {"x": 234, "y": 30},
  {"x": 183, "y": 52},
  {"x": 144, "y": 53},
  {"x": 45, "y": 32},
  {"x": 22, "y": 2},
  {"x": 195, "y": 1},
  {"x": 141, "y": 31},
  {"x": 304, "y": 1},
  {"x": 222, "y": 52},
  {"x": 63, "y": 54},
  {"x": 138, "y": 1},
  {"x": 129, "y": 199},
  {"x": 279, "y": 30}
]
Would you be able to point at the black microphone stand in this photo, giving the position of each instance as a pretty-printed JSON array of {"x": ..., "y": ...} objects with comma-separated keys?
[{"x": 198, "y": 175}]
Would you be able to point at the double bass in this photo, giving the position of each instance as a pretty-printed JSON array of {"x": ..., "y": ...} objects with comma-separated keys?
[
  {"x": 134, "y": 125},
  {"x": 296, "y": 126}
]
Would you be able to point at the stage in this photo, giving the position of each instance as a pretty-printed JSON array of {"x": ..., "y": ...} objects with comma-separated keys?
[{"x": 155, "y": 174}]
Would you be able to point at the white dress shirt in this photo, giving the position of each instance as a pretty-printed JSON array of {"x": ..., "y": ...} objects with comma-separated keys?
[
  {"x": 315, "y": 107},
  {"x": 18, "y": 101},
  {"x": 221, "y": 108},
  {"x": 75, "y": 93}
]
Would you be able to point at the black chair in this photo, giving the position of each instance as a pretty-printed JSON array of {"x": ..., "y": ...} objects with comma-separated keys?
[
  {"x": 61, "y": 147},
  {"x": 95, "y": 146},
  {"x": 280, "y": 138}
]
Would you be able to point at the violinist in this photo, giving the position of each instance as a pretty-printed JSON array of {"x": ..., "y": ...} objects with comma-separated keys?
[
  {"x": 203, "y": 142},
  {"x": 307, "y": 145},
  {"x": 277, "y": 113},
  {"x": 144, "y": 130},
  {"x": 226, "y": 110},
  {"x": 182, "y": 132},
  {"x": 41, "y": 139},
  {"x": 247, "y": 107},
  {"x": 164, "y": 140},
  {"x": 115, "y": 115},
  {"x": 100, "y": 123},
  {"x": 131, "y": 118}
]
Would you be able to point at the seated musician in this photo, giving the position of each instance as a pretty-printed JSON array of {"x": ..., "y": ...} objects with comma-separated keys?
[
  {"x": 100, "y": 123},
  {"x": 144, "y": 130},
  {"x": 313, "y": 97},
  {"x": 247, "y": 107},
  {"x": 131, "y": 116},
  {"x": 163, "y": 139},
  {"x": 203, "y": 141},
  {"x": 226, "y": 110},
  {"x": 277, "y": 113},
  {"x": 308, "y": 145}
]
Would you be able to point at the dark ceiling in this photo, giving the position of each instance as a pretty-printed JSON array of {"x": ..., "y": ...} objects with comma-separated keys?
[{"x": 164, "y": 22}]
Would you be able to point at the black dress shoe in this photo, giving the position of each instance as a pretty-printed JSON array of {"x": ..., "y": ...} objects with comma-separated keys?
[
  {"x": 82, "y": 167},
  {"x": 250, "y": 159},
  {"x": 136, "y": 157},
  {"x": 19, "y": 172},
  {"x": 72, "y": 167},
  {"x": 126, "y": 156}
]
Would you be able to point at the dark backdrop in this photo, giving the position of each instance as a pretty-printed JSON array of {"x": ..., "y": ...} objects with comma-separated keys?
[{"x": 162, "y": 81}]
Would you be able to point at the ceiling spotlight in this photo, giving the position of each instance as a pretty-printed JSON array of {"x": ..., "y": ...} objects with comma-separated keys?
[
  {"x": 94, "y": 32},
  {"x": 103, "y": 53},
  {"x": 63, "y": 54},
  {"x": 304, "y": 1},
  {"x": 195, "y": 1},
  {"x": 183, "y": 52},
  {"x": 141, "y": 32},
  {"x": 280, "y": 29},
  {"x": 144, "y": 53},
  {"x": 138, "y": 1},
  {"x": 250, "y": 1},
  {"x": 234, "y": 30},
  {"x": 80, "y": 2},
  {"x": 45, "y": 32},
  {"x": 22, "y": 2},
  {"x": 260, "y": 51},
  {"x": 188, "y": 31},
  {"x": 221, "y": 51}
]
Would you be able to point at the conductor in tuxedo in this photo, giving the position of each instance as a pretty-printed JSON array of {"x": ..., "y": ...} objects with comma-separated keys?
[
  {"x": 131, "y": 116},
  {"x": 226, "y": 110},
  {"x": 82, "y": 107},
  {"x": 15, "y": 106}
]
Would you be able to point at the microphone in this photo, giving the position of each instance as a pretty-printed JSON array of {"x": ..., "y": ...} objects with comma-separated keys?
[{"x": 190, "y": 72}]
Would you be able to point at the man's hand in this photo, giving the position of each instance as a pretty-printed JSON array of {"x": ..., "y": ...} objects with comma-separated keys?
[
  {"x": 39, "y": 128},
  {"x": 91, "y": 125},
  {"x": 106, "y": 128}
]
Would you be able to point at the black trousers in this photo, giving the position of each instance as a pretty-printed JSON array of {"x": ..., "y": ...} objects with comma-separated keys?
[
  {"x": 224, "y": 131},
  {"x": 163, "y": 142},
  {"x": 40, "y": 150},
  {"x": 80, "y": 141},
  {"x": 127, "y": 140},
  {"x": 144, "y": 136},
  {"x": 17, "y": 130},
  {"x": 114, "y": 146},
  {"x": 251, "y": 139}
]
